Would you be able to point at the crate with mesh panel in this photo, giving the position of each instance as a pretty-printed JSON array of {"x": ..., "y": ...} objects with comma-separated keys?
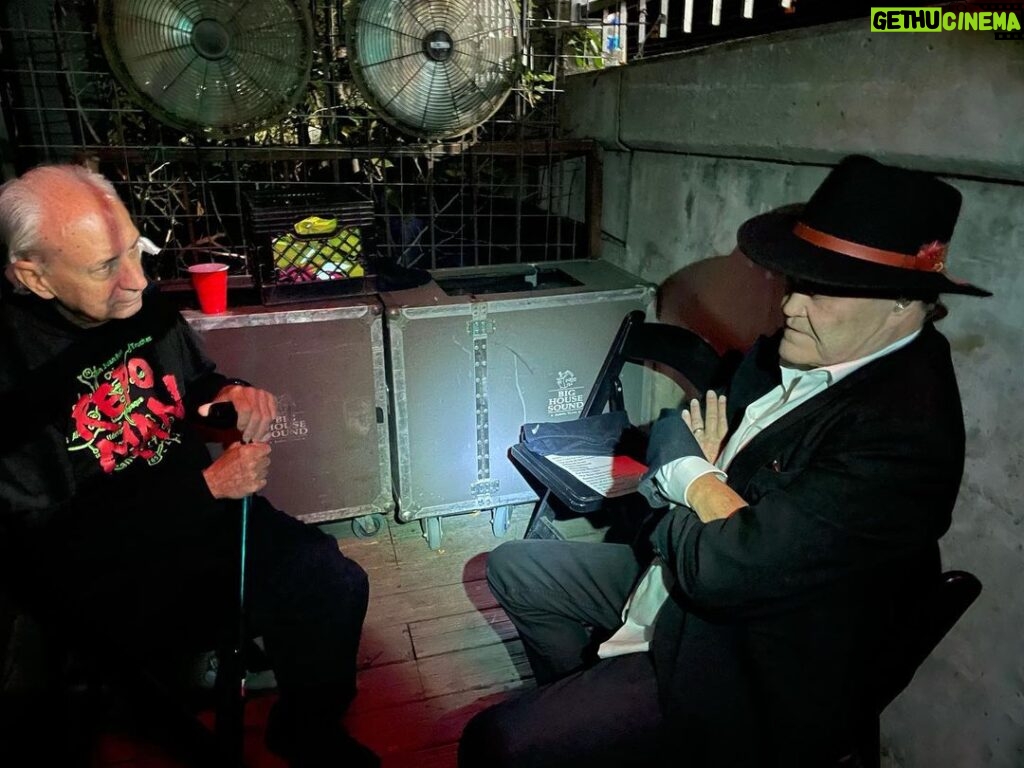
[{"x": 311, "y": 245}]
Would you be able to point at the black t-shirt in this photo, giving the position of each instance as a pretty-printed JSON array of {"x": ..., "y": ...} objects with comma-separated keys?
[{"x": 97, "y": 450}]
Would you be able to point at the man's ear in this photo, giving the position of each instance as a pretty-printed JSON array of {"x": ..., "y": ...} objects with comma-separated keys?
[{"x": 30, "y": 274}]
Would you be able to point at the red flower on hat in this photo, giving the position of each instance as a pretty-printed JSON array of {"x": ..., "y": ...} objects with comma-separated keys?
[{"x": 933, "y": 255}]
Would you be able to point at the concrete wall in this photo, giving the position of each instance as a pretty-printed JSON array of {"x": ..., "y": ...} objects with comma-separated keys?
[{"x": 697, "y": 143}]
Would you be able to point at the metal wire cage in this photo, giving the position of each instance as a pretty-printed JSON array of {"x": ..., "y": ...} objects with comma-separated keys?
[{"x": 509, "y": 190}]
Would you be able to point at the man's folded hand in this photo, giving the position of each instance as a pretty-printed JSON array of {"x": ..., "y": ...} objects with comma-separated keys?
[{"x": 239, "y": 471}]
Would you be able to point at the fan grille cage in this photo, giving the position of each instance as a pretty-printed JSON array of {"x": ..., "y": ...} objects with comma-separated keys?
[
  {"x": 434, "y": 68},
  {"x": 219, "y": 67},
  {"x": 507, "y": 191}
]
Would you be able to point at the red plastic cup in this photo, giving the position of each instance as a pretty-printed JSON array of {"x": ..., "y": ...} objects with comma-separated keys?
[{"x": 211, "y": 284}]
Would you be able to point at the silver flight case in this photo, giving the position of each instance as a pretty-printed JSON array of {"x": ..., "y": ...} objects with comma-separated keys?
[
  {"x": 478, "y": 352},
  {"x": 325, "y": 363}
]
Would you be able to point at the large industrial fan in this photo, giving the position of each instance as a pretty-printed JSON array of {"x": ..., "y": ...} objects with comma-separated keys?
[
  {"x": 219, "y": 67},
  {"x": 433, "y": 68}
]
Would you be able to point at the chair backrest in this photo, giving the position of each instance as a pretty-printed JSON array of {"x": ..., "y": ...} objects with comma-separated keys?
[
  {"x": 931, "y": 618},
  {"x": 671, "y": 346}
]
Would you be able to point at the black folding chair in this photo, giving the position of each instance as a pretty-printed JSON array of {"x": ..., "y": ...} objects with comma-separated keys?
[
  {"x": 930, "y": 619},
  {"x": 675, "y": 351}
]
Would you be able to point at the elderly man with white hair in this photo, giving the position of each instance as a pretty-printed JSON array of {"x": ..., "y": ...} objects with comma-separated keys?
[{"x": 116, "y": 524}]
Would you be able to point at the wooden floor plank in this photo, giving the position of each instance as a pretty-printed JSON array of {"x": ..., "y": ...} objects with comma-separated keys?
[
  {"x": 387, "y": 686},
  {"x": 450, "y": 568},
  {"x": 474, "y": 668},
  {"x": 384, "y": 644},
  {"x": 378, "y": 552},
  {"x": 466, "y": 670},
  {"x": 422, "y": 604},
  {"x": 433, "y": 637}
]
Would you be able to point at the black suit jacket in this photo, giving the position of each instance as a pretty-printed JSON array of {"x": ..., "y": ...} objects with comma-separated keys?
[{"x": 765, "y": 650}]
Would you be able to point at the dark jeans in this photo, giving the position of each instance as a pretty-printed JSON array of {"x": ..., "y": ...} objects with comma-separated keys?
[
  {"x": 564, "y": 598},
  {"x": 148, "y": 588}
]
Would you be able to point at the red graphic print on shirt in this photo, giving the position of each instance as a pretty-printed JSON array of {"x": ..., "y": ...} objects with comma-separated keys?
[{"x": 127, "y": 414}]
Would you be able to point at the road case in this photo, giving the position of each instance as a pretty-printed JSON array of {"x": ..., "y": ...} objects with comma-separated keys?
[
  {"x": 325, "y": 362},
  {"x": 477, "y": 353}
]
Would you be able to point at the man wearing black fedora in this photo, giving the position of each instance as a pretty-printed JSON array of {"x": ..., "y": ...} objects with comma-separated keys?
[{"x": 805, "y": 504}]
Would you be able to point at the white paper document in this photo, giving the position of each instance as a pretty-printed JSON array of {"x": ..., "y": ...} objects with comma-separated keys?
[{"x": 610, "y": 476}]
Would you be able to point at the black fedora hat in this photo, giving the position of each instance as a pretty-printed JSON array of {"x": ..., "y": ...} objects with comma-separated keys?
[{"x": 869, "y": 230}]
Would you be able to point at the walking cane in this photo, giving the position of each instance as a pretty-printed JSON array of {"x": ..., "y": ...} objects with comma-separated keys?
[{"x": 231, "y": 666}]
